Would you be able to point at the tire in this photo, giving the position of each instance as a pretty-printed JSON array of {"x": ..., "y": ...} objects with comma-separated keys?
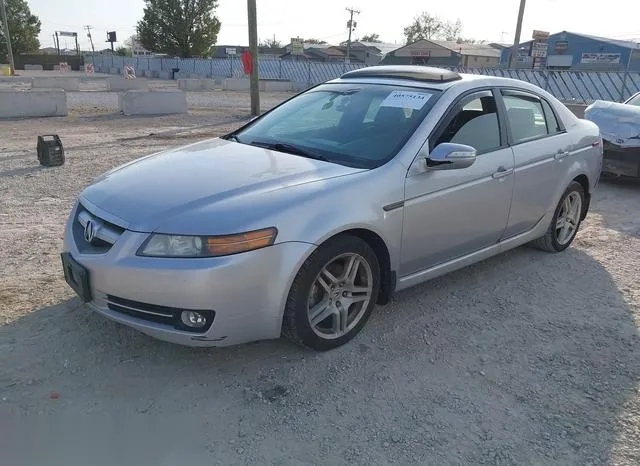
[
  {"x": 312, "y": 289},
  {"x": 553, "y": 241}
]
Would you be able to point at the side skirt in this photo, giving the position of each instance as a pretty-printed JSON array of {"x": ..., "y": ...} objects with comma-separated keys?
[{"x": 424, "y": 275}]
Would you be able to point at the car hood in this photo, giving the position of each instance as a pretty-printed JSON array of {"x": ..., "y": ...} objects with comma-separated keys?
[
  {"x": 618, "y": 123},
  {"x": 148, "y": 192}
]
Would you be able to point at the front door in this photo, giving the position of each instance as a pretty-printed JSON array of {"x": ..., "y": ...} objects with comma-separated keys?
[{"x": 451, "y": 213}]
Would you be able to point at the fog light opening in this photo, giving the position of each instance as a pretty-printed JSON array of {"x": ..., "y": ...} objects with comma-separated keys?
[{"x": 193, "y": 319}]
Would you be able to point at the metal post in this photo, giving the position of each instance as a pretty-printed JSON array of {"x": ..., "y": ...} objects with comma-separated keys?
[
  {"x": 626, "y": 73},
  {"x": 516, "y": 41},
  {"x": 253, "y": 47},
  {"x": 7, "y": 36}
]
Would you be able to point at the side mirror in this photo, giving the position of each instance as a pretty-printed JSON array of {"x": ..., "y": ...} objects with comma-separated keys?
[{"x": 450, "y": 156}]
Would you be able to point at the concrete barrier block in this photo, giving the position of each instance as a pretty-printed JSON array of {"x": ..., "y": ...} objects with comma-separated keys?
[
  {"x": 196, "y": 84},
  {"x": 33, "y": 103},
  {"x": 231, "y": 84},
  {"x": 138, "y": 102},
  {"x": 276, "y": 86},
  {"x": 117, "y": 83},
  {"x": 33, "y": 67},
  {"x": 114, "y": 70},
  {"x": 67, "y": 84}
]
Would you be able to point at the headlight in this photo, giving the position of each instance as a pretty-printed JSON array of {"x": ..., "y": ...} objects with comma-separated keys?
[{"x": 161, "y": 245}]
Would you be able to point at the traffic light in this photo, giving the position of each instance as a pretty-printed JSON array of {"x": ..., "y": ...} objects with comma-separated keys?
[{"x": 111, "y": 36}]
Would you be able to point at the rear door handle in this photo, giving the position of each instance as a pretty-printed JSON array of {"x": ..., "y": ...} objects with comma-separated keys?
[
  {"x": 502, "y": 172},
  {"x": 561, "y": 155}
]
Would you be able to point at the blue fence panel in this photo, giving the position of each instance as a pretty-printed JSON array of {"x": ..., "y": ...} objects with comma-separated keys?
[{"x": 573, "y": 86}]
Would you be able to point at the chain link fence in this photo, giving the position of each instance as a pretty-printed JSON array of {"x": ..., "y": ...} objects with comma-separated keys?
[{"x": 582, "y": 87}]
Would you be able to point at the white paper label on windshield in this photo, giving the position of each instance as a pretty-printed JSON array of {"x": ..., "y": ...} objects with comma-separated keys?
[{"x": 406, "y": 99}]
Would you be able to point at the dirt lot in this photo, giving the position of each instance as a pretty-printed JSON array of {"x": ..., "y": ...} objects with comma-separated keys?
[{"x": 527, "y": 358}]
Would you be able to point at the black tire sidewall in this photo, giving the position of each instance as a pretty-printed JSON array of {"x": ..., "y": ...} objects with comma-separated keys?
[
  {"x": 573, "y": 187},
  {"x": 296, "y": 309}
]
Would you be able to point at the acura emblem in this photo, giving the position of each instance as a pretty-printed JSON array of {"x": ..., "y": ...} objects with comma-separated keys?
[{"x": 90, "y": 231}]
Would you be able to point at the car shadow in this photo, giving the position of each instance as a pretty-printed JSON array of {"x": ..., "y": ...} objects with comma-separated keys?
[
  {"x": 617, "y": 202},
  {"x": 526, "y": 358}
]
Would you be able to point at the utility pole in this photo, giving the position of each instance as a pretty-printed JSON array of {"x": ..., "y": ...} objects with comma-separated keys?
[
  {"x": 516, "y": 41},
  {"x": 351, "y": 25},
  {"x": 253, "y": 49},
  {"x": 88, "y": 28},
  {"x": 7, "y": 36}
]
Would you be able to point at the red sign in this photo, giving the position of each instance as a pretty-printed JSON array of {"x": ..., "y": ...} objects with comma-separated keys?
[{"x": 246, "y": 62}]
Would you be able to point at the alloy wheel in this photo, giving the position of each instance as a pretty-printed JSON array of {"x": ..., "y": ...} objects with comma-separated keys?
[{"x": 339, "y": 296}]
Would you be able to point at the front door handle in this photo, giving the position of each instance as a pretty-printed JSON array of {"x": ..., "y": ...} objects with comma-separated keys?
[
  {"x": 502, "y": 172},
  {"x": 561, "y": 154}
]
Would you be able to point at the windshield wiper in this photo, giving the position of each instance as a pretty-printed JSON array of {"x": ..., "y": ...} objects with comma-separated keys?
[
  {"x": 290, "y": 149},
  {"x": 231, "y": 137}
]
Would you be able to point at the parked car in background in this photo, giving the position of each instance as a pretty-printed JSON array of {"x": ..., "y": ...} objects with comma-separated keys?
[
  {"x": 301, "y": 221},
  {"x": 620, "y": 128}
]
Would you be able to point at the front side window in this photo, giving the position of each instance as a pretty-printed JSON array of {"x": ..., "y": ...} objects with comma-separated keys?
[
  {"x": 475, "y": 125},
  {"x": 526, "y": 117},
  {"x": 360, "y": 125}
]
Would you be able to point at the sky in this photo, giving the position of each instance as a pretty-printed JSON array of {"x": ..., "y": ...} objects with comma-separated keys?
[{"x": 490, "y": 20}]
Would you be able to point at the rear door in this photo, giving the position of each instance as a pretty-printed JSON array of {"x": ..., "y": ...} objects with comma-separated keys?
[
  {"x": 540, "y": 145},
  {"x": 451, "y": 213}
]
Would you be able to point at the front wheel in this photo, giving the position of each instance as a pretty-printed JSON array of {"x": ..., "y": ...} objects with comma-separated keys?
[
  {"x": 333, "y": 294},
  {"x": 565, "y": 222}
]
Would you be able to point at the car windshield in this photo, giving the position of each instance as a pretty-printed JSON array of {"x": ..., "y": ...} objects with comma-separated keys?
[
  {"x": 635, "y": 100},
  {"x": 359, "y": 125}
]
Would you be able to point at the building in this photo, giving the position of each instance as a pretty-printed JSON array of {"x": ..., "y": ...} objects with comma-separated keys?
[
  {"x": 369, "y": 53},
  {"x": 227, "y": 51},
  {"x": 444, "y": 53},
  {"x": 573, "y": 51},
  {"x": 324, "y": 53}
]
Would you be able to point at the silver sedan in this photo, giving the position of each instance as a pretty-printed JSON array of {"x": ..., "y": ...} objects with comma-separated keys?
[{"x": 301, "y": 221}]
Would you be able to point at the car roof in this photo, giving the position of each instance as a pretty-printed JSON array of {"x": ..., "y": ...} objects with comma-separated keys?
[{"x": 426, "y": 76}]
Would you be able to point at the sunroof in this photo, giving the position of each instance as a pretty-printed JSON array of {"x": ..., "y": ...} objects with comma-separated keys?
[{"x": 413, "y": 72}]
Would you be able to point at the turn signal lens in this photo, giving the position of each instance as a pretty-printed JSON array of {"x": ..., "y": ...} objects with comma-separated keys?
[{"x": 242, "y": 242}]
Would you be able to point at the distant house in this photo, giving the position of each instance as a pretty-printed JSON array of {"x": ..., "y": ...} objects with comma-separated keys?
[
  {"x": 369, "y": 53},
  {"x": 444, "y": 53},
  {"x": 323, "y": 53},
  {"x": 226, "y": 51}
]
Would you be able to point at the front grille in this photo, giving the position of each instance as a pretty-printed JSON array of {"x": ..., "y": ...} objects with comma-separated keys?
[
  {"x": 165, "y": 315},
  {"x": 105, "y": 233}
]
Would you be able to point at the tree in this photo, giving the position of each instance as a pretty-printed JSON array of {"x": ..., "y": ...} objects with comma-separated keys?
[
  {"x": 314, "y": 41},
  {"x": 184, "y": 28},
  {"x": 426, "y": 26},
  {"x": 270, "y": 43},
  {"x": 24, "y": 28},
  {"x": 371, "y": 38},
  {"x": 122, "y": 51}
]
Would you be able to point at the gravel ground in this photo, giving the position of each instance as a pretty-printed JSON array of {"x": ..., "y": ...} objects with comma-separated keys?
[{"x": 527, "y": 358}]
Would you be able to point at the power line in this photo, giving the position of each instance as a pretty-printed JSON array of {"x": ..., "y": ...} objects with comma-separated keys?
[{"x": 351, "y": 25}]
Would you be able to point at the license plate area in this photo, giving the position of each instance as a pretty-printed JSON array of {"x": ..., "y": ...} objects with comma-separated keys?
[{"x": 76, "y": 276}]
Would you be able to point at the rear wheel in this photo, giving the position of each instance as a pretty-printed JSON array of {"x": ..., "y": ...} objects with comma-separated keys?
[
  {"x": 333, "y": 294},
  {"x": 565, "y": 222}
]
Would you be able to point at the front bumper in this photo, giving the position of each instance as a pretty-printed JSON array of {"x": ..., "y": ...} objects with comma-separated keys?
[
  {"x": 621, "y": 161},
  {"x": 246, "y": 291}
]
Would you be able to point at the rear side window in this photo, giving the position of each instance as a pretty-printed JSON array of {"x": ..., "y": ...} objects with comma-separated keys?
[
  {"x": 552, "y": 122},
  {"x": 526, "y": 117}
]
